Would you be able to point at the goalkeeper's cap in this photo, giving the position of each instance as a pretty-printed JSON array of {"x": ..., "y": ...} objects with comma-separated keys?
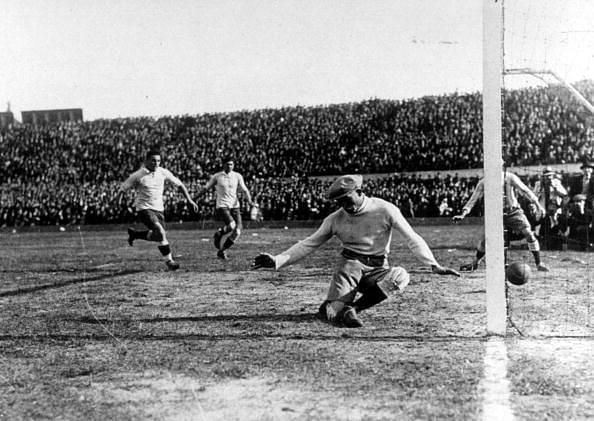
[{"x": 343, "y": 185}]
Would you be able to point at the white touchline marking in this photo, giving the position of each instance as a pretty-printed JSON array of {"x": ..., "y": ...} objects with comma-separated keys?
[{"x": 495, "y": 384}]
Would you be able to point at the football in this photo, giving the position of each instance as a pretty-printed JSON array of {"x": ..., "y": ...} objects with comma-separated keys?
[{"x": 518, "y": 273}]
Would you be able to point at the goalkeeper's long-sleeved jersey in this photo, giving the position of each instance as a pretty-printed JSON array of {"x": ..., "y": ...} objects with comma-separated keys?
[{"x": 367, "y": 232}]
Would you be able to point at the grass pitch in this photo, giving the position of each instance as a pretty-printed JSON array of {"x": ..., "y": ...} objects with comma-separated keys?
[{"x": 94, "y": 329}]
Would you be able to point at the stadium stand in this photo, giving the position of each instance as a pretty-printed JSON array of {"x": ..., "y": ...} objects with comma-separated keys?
[{"x": 68, "y": 172}]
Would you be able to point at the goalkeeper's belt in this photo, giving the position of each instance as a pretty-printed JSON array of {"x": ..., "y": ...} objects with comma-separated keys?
[{"x": 366, "y": 259}]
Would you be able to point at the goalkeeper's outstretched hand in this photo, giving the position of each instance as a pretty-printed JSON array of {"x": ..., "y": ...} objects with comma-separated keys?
[
  {"x": 264, "y": 260},
  {"x": 441, "y": 270}
]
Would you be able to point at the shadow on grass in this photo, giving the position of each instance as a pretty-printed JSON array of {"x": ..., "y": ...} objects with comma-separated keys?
[
  {"x": 241, "y": 328},
  {"x": 23, "y": 291},
  {"x": 339, "y": 334},
  {"x": 271, "y": 317}
]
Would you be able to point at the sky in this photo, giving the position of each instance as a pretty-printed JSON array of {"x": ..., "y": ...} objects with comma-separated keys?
[{"x": 123, "y": 58}]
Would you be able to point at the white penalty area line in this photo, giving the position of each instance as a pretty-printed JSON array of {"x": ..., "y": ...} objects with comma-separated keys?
[{"x": 494, "y": 385}]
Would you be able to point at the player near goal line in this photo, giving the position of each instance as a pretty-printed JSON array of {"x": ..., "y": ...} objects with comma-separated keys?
[
  {"x": 514, "y": 218},
  {"x": 364, "y": 226},
  {"x": 149, "y": 184}
]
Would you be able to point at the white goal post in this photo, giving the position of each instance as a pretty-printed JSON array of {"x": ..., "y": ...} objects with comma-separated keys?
[{"x": 493, "y": 166}]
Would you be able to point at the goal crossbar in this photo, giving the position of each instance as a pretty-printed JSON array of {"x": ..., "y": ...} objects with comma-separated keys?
[{"x": 538, "y": 74}]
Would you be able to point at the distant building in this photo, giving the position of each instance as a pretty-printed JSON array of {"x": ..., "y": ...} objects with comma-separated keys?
[
  {"x": 38, "y": 117},
  {"x": 6, "y": 119}
]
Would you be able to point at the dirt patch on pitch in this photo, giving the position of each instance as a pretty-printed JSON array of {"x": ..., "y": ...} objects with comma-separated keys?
[{"x": 178, "y": 397}]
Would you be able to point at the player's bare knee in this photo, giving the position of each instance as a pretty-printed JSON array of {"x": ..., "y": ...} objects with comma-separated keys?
[
  {"x": 396, "y": 279},
  {"x": 232, "y": 225}
]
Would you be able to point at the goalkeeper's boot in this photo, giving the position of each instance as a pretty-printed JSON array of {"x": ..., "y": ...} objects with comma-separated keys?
[
  {"x": 350, "y": 318},
  {"x": 131, "y": 236},
  {"x": 469, "y": 267},
  {"x": 217, "y": 239},
  {"x": 331, "y": 312},
  {"x": 172, "y": 265},
  {"x": 222, "y": 255}
]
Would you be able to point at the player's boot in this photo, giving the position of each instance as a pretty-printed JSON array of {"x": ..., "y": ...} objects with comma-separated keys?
[
  {"x": 542, "y": 268},
  {"x": 350, "y": 318},
  {"x": 222, "y": 255},
  {"x": 172, "y": 265},
  {"x": 469, "y": 267},
  {"x": 217, "y": 239},
  {"x": 131, "y": 237}
]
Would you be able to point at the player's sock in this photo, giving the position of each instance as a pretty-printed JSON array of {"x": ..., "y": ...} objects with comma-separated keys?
[
  {"x": 228, "y": 244},
  {"x": 536, "y": 255},
  {"x": 371, "y": 297},
  {"x": 534, "y": 247},
  {"x": 166, "y": 252}
]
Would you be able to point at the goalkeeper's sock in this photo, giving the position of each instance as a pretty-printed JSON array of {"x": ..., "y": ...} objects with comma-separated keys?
[{"x": 371, "y": 297}]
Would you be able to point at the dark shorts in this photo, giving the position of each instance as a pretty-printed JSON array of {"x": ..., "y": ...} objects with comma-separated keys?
[
  {"x": 516, "y": 221},
  {"x": 228, "y": 215},
  {"x": 151, "y": 218}
]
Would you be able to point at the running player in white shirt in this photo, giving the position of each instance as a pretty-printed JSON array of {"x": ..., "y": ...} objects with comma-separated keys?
[
  {"x": 149, "y": 183},
  {"x": 364, "y": 226},
  {"x": 514, "y": 218},
  {"x": 228, "y": 210}
]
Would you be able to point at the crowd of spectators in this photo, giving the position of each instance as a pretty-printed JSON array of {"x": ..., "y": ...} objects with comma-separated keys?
[
  {"x": 69, "y": 172},
  {"x": 297, "y": 198}
]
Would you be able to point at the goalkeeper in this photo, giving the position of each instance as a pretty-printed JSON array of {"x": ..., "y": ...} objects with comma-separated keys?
[{"x": 364, "y": 226}]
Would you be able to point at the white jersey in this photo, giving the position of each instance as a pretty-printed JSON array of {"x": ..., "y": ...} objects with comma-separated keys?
[
  {"x": 149, "y": 187},
  {"x": 511, "y": 185},
  {"x": 368, "y": 232},
  {"x": 226, "y": 188}
]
